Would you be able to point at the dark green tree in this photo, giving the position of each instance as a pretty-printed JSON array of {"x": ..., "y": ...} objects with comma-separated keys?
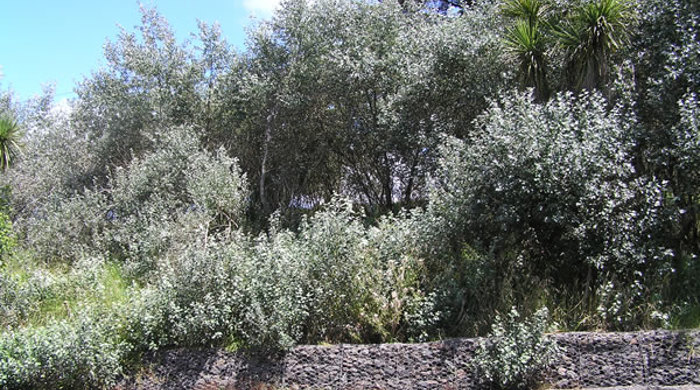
[
  {"x": 589, "y": 36},
  {"x": 526, "y": 42}
]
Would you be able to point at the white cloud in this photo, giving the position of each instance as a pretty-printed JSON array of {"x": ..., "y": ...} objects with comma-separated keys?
[
  {"x": 1, "y": 74},
  {"x": 261, "y": 8}
]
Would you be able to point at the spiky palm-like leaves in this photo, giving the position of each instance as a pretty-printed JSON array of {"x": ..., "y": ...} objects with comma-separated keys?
[
  {"x": 529, "y": 10},
  {"x": 526, "y": 43},
  {"x": 10, "y": 136},
  {"x": 589, "y": 36}
]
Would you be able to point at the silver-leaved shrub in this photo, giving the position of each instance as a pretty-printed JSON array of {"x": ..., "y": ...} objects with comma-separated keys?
[
  {"x": 516, "y": 352},
  {"x": 81, "y": 352},
  {"x": 552, "y": 186},
  {"x": 161, "y": 199},
  {"x": 335, "y": 279}
]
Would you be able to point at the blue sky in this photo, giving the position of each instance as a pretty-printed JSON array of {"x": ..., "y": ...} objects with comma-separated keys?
[{"x": 61, "y": 41}]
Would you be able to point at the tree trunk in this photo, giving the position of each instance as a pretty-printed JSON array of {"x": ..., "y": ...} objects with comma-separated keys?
[
  {"x": 263, "y": 165},
  {"x": 388, "y": 184},
  {"x": 411, "y": 175}
]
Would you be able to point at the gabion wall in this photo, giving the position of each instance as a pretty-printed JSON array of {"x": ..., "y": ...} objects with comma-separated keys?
[{"x": 657, "y": 358}]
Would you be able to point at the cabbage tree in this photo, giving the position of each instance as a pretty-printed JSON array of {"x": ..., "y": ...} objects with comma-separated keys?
[
  {"x": 10, "y": 141},
  {"x": 590, "y": 35},
  {"x": 526, "y": 42}
]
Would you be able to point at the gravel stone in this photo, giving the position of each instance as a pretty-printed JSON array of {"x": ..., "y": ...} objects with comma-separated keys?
[{"x": 662, "y": 360}]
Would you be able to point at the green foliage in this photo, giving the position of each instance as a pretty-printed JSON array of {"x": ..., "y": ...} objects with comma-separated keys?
[
  {"x": 595, "y": 30},
  {"x": 149, "y": 83},
  {"x": 8, "y": 241},
  {"x": 169, "y": 197},
  {"x": 83, "y": 352},
  {"x": 464, "y": 67},
  {"x": 529, "y": 10},
  {"x": 556, "y": 180},
  {"x": 334, "y": 280},
  {"x": 549, "y": 194},
  {"x": 516, "y": 353},
  {"x": 36, "y": 294},
  {"x": 56, "y": 164},
  {"x": 10, "y": 141},
  {"x": 684, "y": 155},
  {"x": 527, "y": 43},
  {"x": 150, "y": 204},
  {"x": 668, "y": 73},
  {"x": 365, "y": 281},
  {"x": 369, "y": 87},
  {"x": 667, "y": 58},
  {"x": 688, "y": 317},
  {"x": 195, "y": 298},
  {"x": 66, "y": 229},
  {"x": 587, "y": 33},
  {"x": 160, "y": 200}
]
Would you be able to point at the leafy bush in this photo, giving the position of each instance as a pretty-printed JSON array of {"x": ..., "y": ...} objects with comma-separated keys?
[
  {"x": 171, "y": 196},
  {"x": 551, "y": 186},
  {"x": 364, "y": 281},
  {"x": 82, "y": 352},
  {"x": 196, "y": 297},
  {"x": 405, "y": 306},
  {"x": 666, "y": 61},
  {"x": 569, "y": 198},
  {"x": 56, "y": 163},
  {"x": 682, "y": 159},
  {"x": 8, "y": 241},
  {"x": 686, "y": 137},
  {"x": 334, "y": 280},
  {"x": 34, "y": 294},
  {"x": 516, "y": 353},
  {"x": 67, "y": 228},
  {"x": 160, "y": 199}
]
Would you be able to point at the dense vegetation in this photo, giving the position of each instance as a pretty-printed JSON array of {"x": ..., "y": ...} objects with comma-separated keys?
[{"x": 362, "y": 172}]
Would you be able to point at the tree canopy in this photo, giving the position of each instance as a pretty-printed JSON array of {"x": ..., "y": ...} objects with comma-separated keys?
[{"x": 361, "y": 172}]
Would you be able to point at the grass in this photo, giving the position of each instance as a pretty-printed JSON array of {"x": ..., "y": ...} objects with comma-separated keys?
[
  {"x": 687, "y": 317},
  {"x": 48, "y": 292}
]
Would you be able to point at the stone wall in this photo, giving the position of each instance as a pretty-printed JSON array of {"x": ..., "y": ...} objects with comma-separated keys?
[{"x": 658, "y": 358}]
